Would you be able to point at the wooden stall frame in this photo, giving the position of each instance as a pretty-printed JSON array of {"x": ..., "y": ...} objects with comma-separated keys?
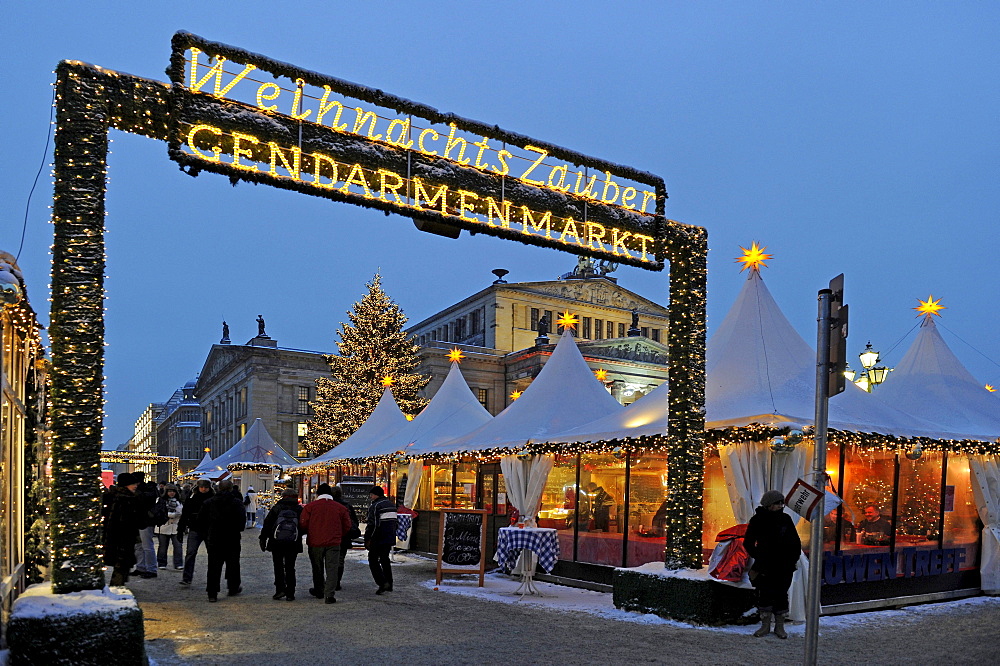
[{"x": 482, "y": 546}]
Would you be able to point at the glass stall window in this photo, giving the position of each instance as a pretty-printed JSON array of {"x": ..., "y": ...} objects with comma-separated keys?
[
  {"x": 465, "y": 485},
  {"x": 961, "y": 519},
  {"x": 718, "y": 508},
  {"x": 601, "y": 509},
  {"x": 647, "y": 515},
  {"x": 868, "y": 496},
  {"x": 558, "y": 506},
  {"x": 918, "y": 513}
]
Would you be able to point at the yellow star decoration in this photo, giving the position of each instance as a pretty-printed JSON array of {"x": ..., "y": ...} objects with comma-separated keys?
[
  {"x": 989, "y": 387},
  {"x": 929, "y": 307},
  {"x": 455, "y": 355},
  {"x": 753, "y": 258},
  {"x": 409, "y": 417},
  {"x": 515, "y": 395},
  {"x": 568, "y": 320},
  {"x": 388, "y": 381},
  {"x": 601, "y": 374}
]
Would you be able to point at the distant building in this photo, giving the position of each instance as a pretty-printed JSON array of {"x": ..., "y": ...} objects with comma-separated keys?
[
  {"x": 240, "y": 383},
  {"x": 498, "y": 330},
  {"x": 178, "y": 430},
  {"x": 144, "y": 437}
]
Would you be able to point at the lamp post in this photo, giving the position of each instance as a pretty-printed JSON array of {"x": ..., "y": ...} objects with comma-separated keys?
[{"x": 873, "y": 374}]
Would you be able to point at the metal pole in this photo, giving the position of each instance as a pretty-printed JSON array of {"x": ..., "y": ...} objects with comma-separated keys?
[{"x": 819, "y": 476}]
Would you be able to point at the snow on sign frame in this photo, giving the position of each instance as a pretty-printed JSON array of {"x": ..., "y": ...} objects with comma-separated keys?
[
  {"x": 251, "y": 118},
  {"x": 219, "y": 116}
]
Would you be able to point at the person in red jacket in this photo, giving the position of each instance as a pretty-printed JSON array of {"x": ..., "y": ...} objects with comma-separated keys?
[{"x": 326, "y": 524}]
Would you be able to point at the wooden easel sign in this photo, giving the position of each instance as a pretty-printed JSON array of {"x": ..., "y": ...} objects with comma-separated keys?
[{"x": 462, "y": 543}]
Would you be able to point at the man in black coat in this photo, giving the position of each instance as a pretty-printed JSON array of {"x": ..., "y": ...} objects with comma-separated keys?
[
  {"x": 123, "y": 514},
  {"x": 189, "y": 523},
  {"x": 774, "y": 544},
  {"x": 380, "y": 537},
  {"x": 145, "y": 550},
  {"x": 220, "y": 522},
  {"x": 281, "y": 535}
]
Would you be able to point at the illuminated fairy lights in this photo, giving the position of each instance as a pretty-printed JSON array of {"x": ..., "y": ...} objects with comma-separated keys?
[
  {"x": 250, "y": 153},
  {"x": 327, "y": 109}
]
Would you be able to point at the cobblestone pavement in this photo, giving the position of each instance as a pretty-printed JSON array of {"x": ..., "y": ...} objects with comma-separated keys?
[{"x": 415, "y": 625}]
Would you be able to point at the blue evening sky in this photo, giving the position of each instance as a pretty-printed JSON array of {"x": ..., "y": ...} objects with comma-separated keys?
[{"x": 851, "y": 137}]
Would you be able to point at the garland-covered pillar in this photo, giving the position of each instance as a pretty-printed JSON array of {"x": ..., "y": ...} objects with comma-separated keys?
[
  {"x": 687, "y": 253},
  {"x": 76, "y": 329}
]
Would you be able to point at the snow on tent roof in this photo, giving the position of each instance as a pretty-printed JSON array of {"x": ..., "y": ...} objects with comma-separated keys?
[
  {"x": 932, "y": 382},
  {"x": 204, "y": 466},
  {"x": 366, "y": 441},
  {"x": 257, "y": 446},
  {"x": 452, "y": 412},
  {"x": 759, "y": 369},
  {"x": 564, "y": 394}
]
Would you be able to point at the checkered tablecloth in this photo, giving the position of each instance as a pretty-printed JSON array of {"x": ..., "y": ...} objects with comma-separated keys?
[
  {"x": 541, "y": 541},
  {"x": 403, "y": 522}
]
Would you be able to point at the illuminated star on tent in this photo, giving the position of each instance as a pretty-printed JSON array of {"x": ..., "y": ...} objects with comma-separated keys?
[
  {"x": 753, "y": 258},
  {"x": 601, "y": 374},
  {"x": 515, "y": 395},
  {"x": 455, "y": 355},
  {"x": 929, "y": 307},
  {"x": 388, "y": 381},
  {"x": 989, "y": 387},
  {"x": 568, "y": 320}
]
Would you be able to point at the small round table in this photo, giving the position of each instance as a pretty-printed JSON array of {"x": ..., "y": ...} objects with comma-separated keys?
[{"x": 528, "y": 542}]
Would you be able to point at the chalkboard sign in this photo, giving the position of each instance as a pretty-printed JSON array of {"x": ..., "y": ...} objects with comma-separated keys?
[
  {"x": 356, "y": 493},
  {"x": 462, "y": 543}
]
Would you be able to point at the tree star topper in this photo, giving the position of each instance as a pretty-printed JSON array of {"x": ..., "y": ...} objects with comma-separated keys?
[
  {"x": 929, "y": 307},
  {"x": 388, "y": 381},
  {"x": 753, "y": 258},
  {"x": 455, "y": 355},
  {"x": 568, "y": 320}
]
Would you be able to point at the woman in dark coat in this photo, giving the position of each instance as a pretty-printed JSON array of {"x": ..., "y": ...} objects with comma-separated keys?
[
  {"x": 123, "y": 515},
  {"x": 774, "y": 544},
  {"x": 283, "y": 550}
]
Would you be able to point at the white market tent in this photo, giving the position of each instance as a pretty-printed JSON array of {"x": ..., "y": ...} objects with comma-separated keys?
[
  {"x": 385, "y": 420},
  {"x": 204, "y": 467},
  {"x": 932, "y": 382},
  {"x": 452, "y": 412},
  {"x": 257, "y": 447},
  {"x": 564, "y": 394}
]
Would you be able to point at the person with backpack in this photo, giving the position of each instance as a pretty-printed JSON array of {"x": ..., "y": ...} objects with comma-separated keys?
[
  {"x": 282, "y": 535},
  {"x": 168, "y": 532},
  {"x": 188, "y": 526},
  {"x": 338, "y": 496},
  {"x": 220, "y": 522},
  {"x": 326, "y": 524}
]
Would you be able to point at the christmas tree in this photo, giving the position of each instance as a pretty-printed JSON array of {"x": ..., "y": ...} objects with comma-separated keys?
[{"x": 375, "y": 352}]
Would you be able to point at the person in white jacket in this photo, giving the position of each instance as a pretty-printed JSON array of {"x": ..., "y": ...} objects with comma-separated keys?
[
  {"x": 250, "y": 502},
  {"x": 168, "y": 533}
]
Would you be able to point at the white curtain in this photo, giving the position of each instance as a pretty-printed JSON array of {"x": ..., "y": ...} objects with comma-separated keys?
[
  {"x": 986, "y": 491},
  {"x": 525, "y": 480},
  {"x": 751, "y": 469},
  {"x": 413, "y": 474}
]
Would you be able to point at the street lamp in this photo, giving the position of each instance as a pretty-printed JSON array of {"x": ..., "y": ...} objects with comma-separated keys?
[{"x": 874, "y": 374}]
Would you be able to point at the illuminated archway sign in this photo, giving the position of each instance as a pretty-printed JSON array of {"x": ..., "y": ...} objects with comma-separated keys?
[{"x": 239, "y": 114}]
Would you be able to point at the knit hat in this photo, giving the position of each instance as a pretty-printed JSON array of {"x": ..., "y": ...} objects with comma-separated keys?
[
  {"x": 771, "y": 497},
  {"x": 289, "y": 492},
  {"x": 377, "y": 491},
  {"x": 324, "y": 489}
]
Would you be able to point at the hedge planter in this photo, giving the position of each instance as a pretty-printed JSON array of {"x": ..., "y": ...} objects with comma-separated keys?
[
  {"x": 93, "y": 627},
  {"x": 685, "y": 594}
]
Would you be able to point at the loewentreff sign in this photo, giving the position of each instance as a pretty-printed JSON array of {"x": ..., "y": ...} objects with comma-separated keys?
[{"x": 251, "y": 118}]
